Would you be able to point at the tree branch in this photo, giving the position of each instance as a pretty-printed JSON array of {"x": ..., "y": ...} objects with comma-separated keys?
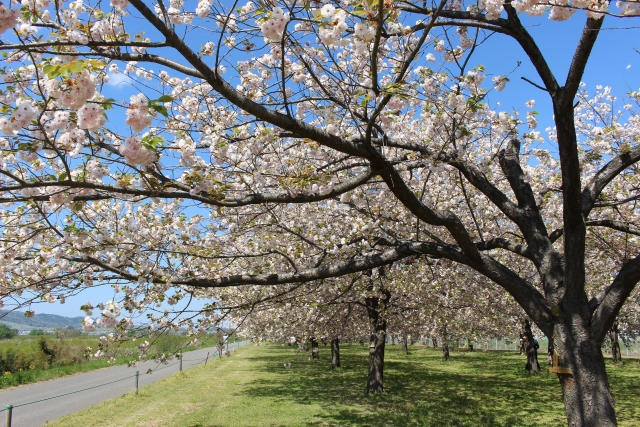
[
  {"x": 225, "y": 89},
  {"x": 605, "y": 175},
  {"x": 579, "y": 61},
  {"x": 606, "y": 305},
  {"x": 250, "y": 199}
]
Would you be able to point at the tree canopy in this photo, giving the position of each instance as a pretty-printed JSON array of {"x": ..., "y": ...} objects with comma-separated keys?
[{"x": 270, "y": 144}]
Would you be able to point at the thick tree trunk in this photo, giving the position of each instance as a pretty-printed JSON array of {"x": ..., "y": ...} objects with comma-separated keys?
[
  {"x": 587, "y": 396},
  {"x": 434, "y": 341},
  {"x": 588, "y": 399},
  {"x": 533, "y": 367},
  {"x": 470, "y": 346},
  {"x": 393, "y": 340},
  {"x": 616, "y": 355},
  {"x": 375, "y": 381},
  {"x": 314, "y": 348},
  {"x": 335, "y": 353},
  {"x": 445, "y": 351},
  {"x": 375, "y": 306},
  {"x": 405, "y": 348}
]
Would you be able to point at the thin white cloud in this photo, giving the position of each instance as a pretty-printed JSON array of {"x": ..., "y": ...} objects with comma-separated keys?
[{"x": 119, "y": 79}]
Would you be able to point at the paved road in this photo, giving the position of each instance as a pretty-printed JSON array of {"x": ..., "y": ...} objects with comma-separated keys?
[{"x": 121, "y": 379}]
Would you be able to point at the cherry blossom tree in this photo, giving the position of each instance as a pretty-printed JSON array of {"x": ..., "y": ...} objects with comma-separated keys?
[
  {"x": 449, "y": 301},
  {"x": 279, "y": 143}
]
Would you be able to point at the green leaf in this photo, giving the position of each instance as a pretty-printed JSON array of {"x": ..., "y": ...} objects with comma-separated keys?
[
  {"x": 107, "y": 104},
  {"x": 52, "y": 71},
  {"x": 160, "y": 109},
  {"x": 164, "y": 98},
  {"x": 25, "y": 146},
  {"x": 152, "y": 142},
  {"x": 76, "y": 66}
]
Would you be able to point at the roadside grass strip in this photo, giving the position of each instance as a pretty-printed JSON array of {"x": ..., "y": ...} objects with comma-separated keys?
[{"x": 254, "y": 388}]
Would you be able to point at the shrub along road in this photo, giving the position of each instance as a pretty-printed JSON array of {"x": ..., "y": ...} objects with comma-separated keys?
[{"x": 101, "y": 385}]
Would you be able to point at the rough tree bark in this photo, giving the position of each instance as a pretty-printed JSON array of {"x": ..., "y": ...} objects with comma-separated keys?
[
  {"x": 587, "y": 396},
  {"x": 314, "y": 348},
  {"x": 405, "y": 348},
  {"x": 533, "y": 367},
  {"x": 445, "y": 351},
  {"x": 616, "y": 355},
  {"x": 375, "y": 307},
  {"x": 335, "y": 353}
]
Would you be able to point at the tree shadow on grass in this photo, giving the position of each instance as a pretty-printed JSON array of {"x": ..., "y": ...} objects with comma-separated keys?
[{"x": 420, "y": 390}]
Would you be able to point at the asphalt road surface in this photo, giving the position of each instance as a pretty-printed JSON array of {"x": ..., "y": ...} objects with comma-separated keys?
[{"x": 57, "y": 398}]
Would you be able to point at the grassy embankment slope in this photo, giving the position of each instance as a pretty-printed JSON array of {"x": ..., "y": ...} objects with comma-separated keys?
[
  {"x": 22, "y": 360},
  {"x": 253, "y": 388}
]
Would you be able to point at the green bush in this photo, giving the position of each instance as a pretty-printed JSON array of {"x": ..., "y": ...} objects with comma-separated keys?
[{"x": 6, "y": 332}]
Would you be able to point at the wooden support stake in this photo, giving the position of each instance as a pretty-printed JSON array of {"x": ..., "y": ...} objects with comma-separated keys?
[
  {"x": 207, "y": 359},
  {"x": 137, "y": 377},
  {"x": 557, "y": 369}
]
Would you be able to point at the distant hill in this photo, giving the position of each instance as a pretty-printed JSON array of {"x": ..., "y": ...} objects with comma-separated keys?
[{"x": 16, "y": 320}]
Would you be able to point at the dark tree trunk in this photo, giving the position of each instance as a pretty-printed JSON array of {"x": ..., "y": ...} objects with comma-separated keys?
[
  {"x": 434, "y": 341},
  {"x": 578, "y": 331},
  {"x": 533, "y": 367},
  {"x": 405, "y": 349},
  {"x": 587, "y": 397},
  {"x": 616, "y": 355},
  {"x": 375, "y": 381},
  {"x": 470, "y": 346},
  {"x": 393, "y": 340},
  {"x": 314, "y": 348},
  {"x": 445, "y": 351},
  {"x": 375, "y": 306},
  {"x": 335, "y": 353}
]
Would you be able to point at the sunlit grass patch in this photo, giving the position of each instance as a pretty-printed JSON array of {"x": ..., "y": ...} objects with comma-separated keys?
[{"x": 253, "y": 388}]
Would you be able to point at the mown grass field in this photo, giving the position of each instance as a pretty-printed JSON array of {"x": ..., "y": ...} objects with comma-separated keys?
[{"x": 253, "y": 388}]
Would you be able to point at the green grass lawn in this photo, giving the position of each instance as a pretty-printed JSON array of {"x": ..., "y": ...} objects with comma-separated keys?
[{"x": 253, "y": 388}]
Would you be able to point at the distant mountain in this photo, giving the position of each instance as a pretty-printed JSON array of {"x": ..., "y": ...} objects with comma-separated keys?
[{"x": 16, "y": 320}]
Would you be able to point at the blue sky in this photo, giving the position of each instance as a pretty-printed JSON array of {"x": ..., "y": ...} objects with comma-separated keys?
[{"x": 613, "y": 63}]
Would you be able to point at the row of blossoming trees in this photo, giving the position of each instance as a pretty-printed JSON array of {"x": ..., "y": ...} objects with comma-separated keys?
[
  {"x": 444, "y": 305},
  {"x": 271, "y": 146}
]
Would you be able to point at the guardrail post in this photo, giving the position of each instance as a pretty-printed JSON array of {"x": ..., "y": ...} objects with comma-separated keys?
[
  {"x": 9, "y": 409},
  {"x": 137, "y": 377},
  {"x": 181, "y": 364},
  {"x": 207, "y": 359}
]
